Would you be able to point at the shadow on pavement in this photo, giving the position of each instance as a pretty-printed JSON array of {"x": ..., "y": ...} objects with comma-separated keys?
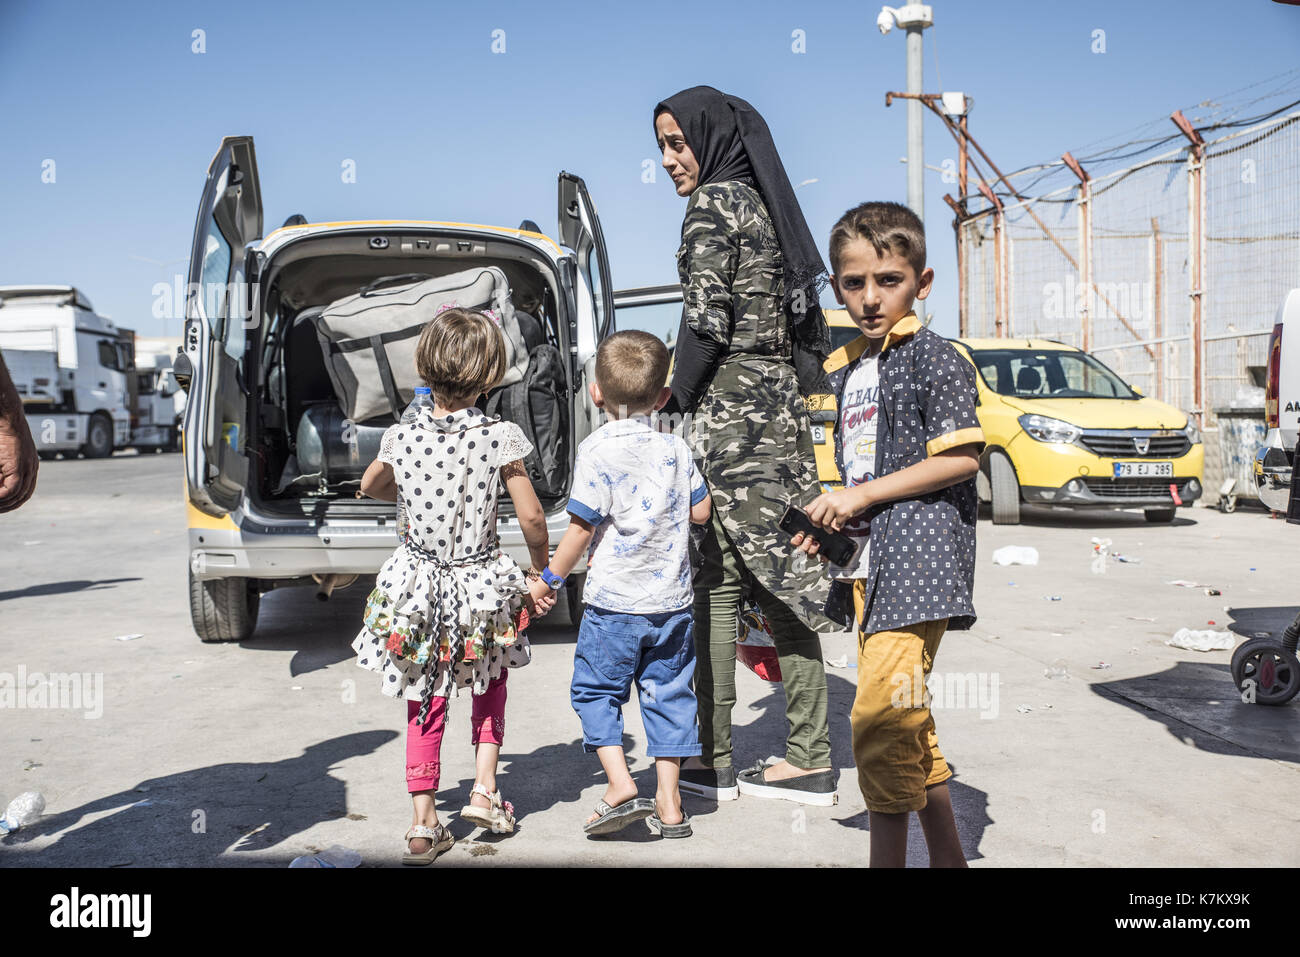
[
  {"x": 767, "y": 736},
  {"x": 63, "y": 588},
  {"x": 1198, "y": 704},
  {"x": 320, "y": 632},
  {"x": 1091, "y": 518},
  {"x": 188, "y": 819},
  {"x": 1268, "y": 621}
]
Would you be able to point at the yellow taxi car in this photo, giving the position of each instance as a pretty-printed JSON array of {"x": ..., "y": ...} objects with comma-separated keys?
[{"x": 1063, "y": 430}]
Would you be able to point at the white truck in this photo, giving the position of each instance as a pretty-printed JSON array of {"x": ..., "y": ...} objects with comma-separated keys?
[
  {"x": 157, "y": 405},
  {"x": 76, "y": 374}
]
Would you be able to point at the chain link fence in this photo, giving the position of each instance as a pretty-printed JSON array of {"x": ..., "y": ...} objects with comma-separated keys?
[{"x": 1169, "y": 270}]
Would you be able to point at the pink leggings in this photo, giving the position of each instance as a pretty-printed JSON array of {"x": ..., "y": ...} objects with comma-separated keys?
[{"x": 424, "y": 743}]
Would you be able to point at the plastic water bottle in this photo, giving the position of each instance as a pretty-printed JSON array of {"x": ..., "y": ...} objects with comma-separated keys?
[
  {"x": 22, "y": 810},
  {"x": 423, "y": 399}
]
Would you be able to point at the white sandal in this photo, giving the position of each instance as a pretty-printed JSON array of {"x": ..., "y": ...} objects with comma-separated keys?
[
  {"x": 499, "y": 816},
  {"x": 440, "y": 839}
]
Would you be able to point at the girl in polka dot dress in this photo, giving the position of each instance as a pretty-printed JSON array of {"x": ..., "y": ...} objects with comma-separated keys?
[{"x": 448, "y": 608}]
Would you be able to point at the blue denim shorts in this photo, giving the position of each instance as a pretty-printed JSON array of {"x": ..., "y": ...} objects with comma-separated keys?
[{"x": 657, "y": 652}]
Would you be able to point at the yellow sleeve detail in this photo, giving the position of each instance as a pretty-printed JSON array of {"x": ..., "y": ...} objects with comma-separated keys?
[{"x": 951, "y": 440}]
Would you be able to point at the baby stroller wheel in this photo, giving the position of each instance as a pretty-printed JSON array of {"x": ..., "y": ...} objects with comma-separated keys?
[{"x": 1265, "y": 672}]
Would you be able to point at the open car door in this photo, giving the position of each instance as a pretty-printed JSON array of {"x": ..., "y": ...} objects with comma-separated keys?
[
  {"x": 580, "y": 231},
  {"x": 216, "y": 410}
]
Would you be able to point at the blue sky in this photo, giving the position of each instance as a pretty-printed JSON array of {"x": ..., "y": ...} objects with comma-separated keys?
[{"x": 440, "y": 127}]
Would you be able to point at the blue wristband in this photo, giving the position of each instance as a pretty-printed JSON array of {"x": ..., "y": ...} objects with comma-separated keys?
[{"x": 552, "y": 580}]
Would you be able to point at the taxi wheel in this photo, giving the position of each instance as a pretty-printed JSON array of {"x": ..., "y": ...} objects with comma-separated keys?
[
  {"x": 224, "y": 609},
  {"x": 1005, "y": 490},
  {"x": 1160, "y": 515}
]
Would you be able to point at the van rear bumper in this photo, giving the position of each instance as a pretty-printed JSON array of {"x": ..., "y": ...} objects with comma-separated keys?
[{"x": 287, "y": 550}]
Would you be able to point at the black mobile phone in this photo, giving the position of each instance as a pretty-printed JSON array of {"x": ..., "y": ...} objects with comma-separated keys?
[{"x": 836, "y": 546}]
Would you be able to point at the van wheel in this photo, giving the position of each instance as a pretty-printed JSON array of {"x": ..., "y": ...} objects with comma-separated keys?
[
  {"x": 1005, "y": 490},
  {"x": 1161, "y": 516},
  {"x": 99, "y": 437},
  {"x": 223, "y": 609},
  {"x": 574, "y": 586},
  {"x": 46, "y": 455}
]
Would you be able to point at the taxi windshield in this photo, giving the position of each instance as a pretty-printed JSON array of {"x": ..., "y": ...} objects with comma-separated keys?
[{"x": 1048, "y": 374}]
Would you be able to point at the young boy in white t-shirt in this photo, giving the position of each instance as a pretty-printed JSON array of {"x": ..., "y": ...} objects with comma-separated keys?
[{"x": 635, "y": 493}]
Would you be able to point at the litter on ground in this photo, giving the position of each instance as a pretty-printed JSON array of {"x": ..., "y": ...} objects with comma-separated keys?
[
  {"x": 131, "y": 637},
  {"x": 1202, "y": 640},
  {"x": 1016, "y": 555}
]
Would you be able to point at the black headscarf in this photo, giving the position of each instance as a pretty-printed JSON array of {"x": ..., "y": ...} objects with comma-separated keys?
[{"x": 731, "y": 141}]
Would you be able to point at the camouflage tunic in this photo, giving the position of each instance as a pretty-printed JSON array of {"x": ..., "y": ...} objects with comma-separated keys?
[{"x": 750, "y": 430}]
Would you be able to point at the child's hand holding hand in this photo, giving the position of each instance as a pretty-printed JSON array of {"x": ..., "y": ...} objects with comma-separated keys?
[{"x": 541, "y": 596}]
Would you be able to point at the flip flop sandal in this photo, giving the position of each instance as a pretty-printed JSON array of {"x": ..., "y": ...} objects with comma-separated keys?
[
  {"x": 620, "y": 816},
  {"x": 499, "y": 816},
  {"x": 682, "y": 829},
  {"x": 440, "y": 839}
]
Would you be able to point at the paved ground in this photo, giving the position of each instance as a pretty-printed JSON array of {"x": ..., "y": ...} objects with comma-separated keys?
[{"x": 253, "y": 754}]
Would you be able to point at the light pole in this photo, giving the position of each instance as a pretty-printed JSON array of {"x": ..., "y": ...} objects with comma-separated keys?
[{"x": 913, "y": 18}]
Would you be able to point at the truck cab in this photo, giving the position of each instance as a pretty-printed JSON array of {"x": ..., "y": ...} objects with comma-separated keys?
[
  {"x": 261, "y": 517},
  {"x": 70, "y": 367}
]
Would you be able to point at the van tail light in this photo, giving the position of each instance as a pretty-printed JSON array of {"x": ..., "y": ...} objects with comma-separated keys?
[{"x": 1271, "y": 383}]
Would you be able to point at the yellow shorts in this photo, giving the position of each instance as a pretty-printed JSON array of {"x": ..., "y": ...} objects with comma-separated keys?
[{"x": 894, "y": 743}]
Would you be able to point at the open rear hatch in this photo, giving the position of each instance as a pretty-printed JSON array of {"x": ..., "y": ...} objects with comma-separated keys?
[{"x": 309, "y": 455}]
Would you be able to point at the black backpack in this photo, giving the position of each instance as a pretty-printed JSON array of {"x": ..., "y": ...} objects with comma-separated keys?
[{"x": 539, "y": 406}]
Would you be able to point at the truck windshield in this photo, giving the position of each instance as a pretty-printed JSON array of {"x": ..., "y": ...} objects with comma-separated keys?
[{"x": 1029, "y": 373}]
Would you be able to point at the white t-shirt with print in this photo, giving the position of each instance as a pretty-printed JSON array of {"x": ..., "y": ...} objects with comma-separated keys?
[
  {"x": 637, "y": 486},
  {"x": 858, "y": 423}
]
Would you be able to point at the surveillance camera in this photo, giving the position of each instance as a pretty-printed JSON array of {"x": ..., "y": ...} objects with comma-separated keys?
[{"x": 885, "y": 21}]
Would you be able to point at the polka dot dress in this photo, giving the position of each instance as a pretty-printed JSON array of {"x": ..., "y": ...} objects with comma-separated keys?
[{"x": 442, "y": 613}]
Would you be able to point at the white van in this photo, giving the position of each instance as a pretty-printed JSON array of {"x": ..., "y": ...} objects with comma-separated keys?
[{"x": 252, "y": 373}]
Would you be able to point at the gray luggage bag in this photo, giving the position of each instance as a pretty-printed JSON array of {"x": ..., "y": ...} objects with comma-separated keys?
[{"x": 368, "y": 339}]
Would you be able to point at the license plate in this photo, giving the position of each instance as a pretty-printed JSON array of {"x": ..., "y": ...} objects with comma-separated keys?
[
  {"x": 818, "y": 434},
  {"x": 1144, "y": 470}
]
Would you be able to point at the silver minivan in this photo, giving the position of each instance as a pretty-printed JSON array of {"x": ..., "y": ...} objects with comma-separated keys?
[{"x": 251, "y": 372}]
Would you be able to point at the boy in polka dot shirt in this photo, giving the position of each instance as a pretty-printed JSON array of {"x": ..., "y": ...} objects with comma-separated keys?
[{"x": 908, "y": 444}]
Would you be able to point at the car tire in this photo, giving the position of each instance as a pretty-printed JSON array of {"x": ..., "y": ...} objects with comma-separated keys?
[
  {"x": 1160, "y": 516},
  {"x": 46, "y": 456},
  {"x": 574, "y": 586},
  {"x": 1004, "y": 488},
  {"x": 224, "y": 609},
  {"x": 99, "y": 437},
  {"x": 1273, "y": 671}
]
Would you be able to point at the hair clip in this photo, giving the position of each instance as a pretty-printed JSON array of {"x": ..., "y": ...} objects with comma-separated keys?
[
  {"x": 445, "y": 306},
  {"x": 493, "y": 314}
]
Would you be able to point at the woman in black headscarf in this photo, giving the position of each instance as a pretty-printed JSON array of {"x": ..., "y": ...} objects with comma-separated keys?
[{"x": 751, "y": 344}]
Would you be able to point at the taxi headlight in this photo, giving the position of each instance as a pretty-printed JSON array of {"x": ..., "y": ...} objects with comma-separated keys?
[
  {"x": 1046, "y": 429},
  {"x": 1192, "y": 432}
]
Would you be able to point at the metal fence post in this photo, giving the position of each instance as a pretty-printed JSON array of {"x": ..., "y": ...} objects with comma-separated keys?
[
  {"x": 999, "y": 263},
  {"x": 1085, "y": 248},
  {"x": 1195, "y": 256}
]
